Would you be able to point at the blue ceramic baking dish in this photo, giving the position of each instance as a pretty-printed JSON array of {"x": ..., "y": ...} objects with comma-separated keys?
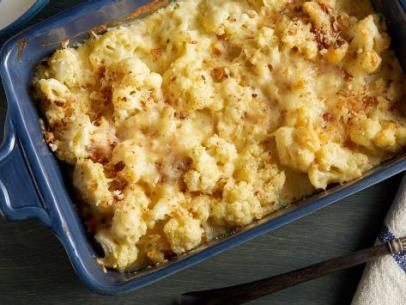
[{"x": 31, "y": 182}]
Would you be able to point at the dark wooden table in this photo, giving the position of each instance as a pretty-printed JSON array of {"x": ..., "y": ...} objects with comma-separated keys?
[{"x": 35, "y": 270}]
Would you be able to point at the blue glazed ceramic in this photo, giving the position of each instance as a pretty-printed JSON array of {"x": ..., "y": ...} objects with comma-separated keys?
[
  {"x": 31, "y": 183},
  {"x": 21, "y": 12}
]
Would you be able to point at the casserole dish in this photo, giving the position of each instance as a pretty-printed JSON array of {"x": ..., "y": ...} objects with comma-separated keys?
[{"x": 35, "y": 188}]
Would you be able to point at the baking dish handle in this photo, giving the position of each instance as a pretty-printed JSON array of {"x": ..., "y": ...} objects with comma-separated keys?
[{"x": 19, "y": 196}]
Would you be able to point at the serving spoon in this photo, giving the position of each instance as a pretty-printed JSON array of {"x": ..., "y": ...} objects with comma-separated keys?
[{"x": 243, "y": 293}]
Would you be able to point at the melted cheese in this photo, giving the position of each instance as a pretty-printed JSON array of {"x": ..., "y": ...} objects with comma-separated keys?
[{"x": 210, "y": 114}]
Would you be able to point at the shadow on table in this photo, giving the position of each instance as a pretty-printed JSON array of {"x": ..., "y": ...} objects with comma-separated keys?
[{"x": 34, "y": 266}]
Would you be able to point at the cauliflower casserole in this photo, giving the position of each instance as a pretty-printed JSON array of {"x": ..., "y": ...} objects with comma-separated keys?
[{"x": 210, "y": 114}]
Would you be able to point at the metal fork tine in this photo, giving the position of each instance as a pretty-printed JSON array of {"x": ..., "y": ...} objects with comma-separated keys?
[{"x": 397, "y": 246}]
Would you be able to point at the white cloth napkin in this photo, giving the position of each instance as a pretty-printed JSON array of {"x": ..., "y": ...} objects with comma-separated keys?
[
  {"x": 11, "y": 10},
  {"x": 384, "y": 280}
]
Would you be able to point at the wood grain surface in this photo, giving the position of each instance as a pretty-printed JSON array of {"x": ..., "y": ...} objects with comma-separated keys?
[{"x": 35, "y": 270}]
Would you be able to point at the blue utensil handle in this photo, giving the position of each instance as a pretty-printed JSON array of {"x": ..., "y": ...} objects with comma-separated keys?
[{"x": 19, "y": 196}]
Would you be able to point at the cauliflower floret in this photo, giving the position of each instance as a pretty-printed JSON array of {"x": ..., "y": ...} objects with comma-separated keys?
[
  {"x": 392, "y": 137},
  {"x": 93, "y": 185},
  {"x": 366, "y": 44},
  {"x": 363, "y": 131},
  {"x": 112, "y": 47},
  {"x": 183, "y": 233},
  {"x": 335, "y": 164},
  {"x": 386, "y": 138},
  {"x": 229, "y": 18},
  {"x": 189, "y": 134},
  {"x": 167, "y": 123},
  {"x": 138, "y": 164},
  {"x": 318, "y": 16},
  {"x": 154, "y": 247},
  {"x": 215, "y": 15},
  {"x": 297, "y": 34},
  {"x": 131, "y": 70},
  {"x": 143, "y": 122},
  {"x": 188, "y": 85},
  {"x": 67, "y": 67},
  {"x": 276, "y": 5},
  {"x": 103, "y": 138},
  {"x": 218, "y": 211},
  {"x": 241, "y": 204},
  {"x": 225, "y": 153},
  {"x": 266, "y": 38},
  {"x": 296, "y": 147},
  {"x": 193, "y": 130},
  {"x": 269, "y": 194},
  {"x": 205, "y": 174},
  {"x": 169, "y": 198},
  {"x": 244, "y": 113},
  {"x": 255, "y": 167},
  {"x": 200, "y": 207},
  {"x": 329, "y": 39},
  {"x": 335, "y": 55},
  {"x": 134, "y": 85},
  {"x": 54, "y": 90},
  {"x": 366, "y": 35},
  {"x": 366, "y": 62},
  {"x": 301, "y": 101},
  {"x": 376, "y": 136},
  {"x": 59, "y": 100},
  {"x": 128, "y": 222},
  {"x": 74, "y": 138},
  {"x": 127, "y": 100},
  {"x": 118, "y": 255}
]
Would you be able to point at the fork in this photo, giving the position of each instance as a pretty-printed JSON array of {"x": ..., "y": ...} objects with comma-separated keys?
[{"x": 243, "y": 293}]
